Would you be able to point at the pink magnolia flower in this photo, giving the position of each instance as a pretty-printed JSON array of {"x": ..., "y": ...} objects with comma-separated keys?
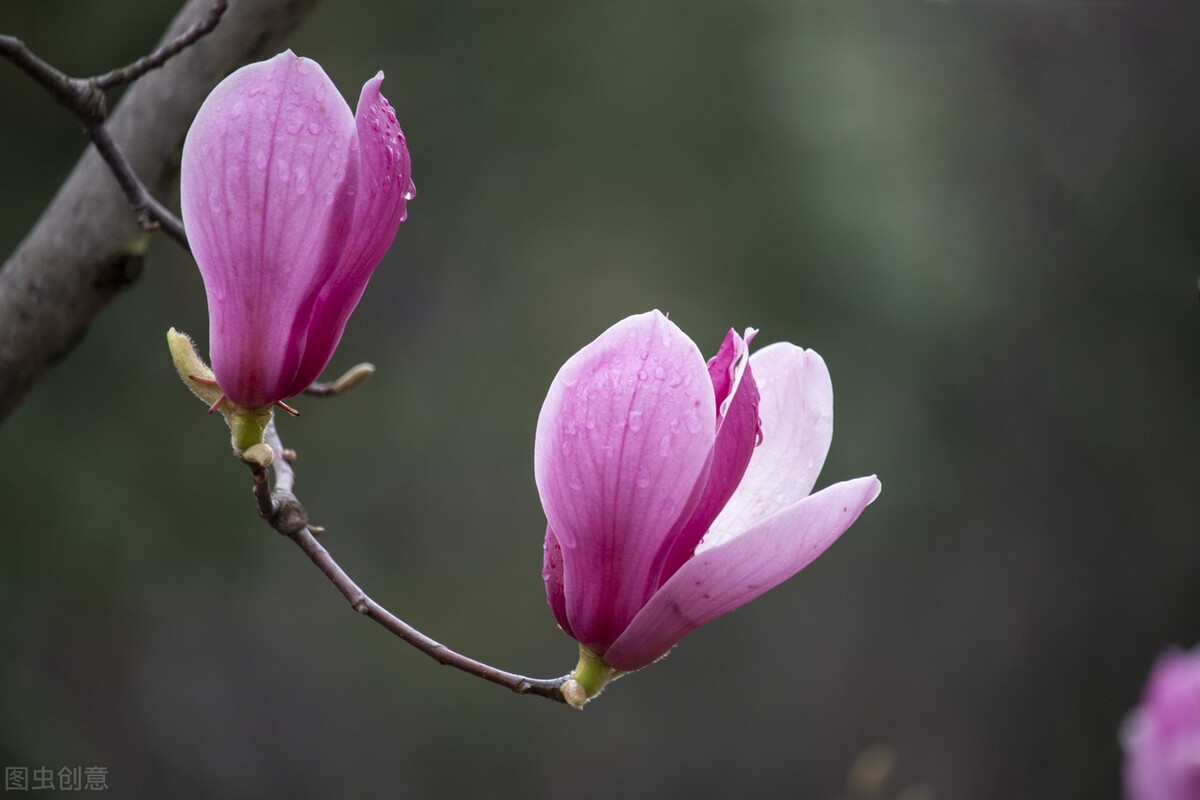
[
  {"x": 289, "y": 201},
  {"x": 1162, "y": 736},
  {"x": 667, "y": 504}
]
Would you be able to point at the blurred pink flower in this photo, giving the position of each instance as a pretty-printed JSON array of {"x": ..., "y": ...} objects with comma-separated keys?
[
  {"x": 667, "y": 504},
  {"x": 1162, "y": 735},
  {"x": 289, "y": 202}
]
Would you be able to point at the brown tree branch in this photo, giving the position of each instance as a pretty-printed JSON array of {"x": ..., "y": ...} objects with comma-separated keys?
[
  {"x": 287, "y": 515},
  {"x": 87, "y": 246}
]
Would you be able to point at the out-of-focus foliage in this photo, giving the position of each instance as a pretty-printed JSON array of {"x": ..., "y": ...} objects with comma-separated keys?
[{"x": 982, "y": 214}]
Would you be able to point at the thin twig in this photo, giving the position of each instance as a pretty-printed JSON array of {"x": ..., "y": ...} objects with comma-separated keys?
[
  {"x": 150, "y": 213},
  {"x": 78, "y": 96},
  {"x": 347, "y": 382},
  {"x": 84, "y": 98},
  {"x": 287, "y": 515},
  {"x": 138, "y": 68},
  {"x": 322, "y": 389}
]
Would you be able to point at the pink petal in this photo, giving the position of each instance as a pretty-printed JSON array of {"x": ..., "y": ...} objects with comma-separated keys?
[
  {"x": 623, "y": 439},
  {"x": 552, "y": 576},
  {"x": 731, "y": 574},
  {"x": 383, "y": 190},
  {"x": 1173, "y": 692},
  {"x": 796, "y": 409},
  {"x": 737, "y": 434},
  {"x": 263, "y": 166},
  {"x": 1161, "y": 738}
]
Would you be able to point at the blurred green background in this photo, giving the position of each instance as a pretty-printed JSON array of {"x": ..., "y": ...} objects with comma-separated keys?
[{"x": 984, "y": 215}]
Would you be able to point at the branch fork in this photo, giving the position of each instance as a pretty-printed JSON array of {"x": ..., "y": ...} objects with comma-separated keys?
[{"x": 85, "y": 99}]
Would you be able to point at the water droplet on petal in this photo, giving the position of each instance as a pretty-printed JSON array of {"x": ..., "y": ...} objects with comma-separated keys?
[
  {"x": 314, "y": 128},
  {"x": 567, "y": 447},
  {"x": 214, "y": 200},
  {"x": 590, "y": 424},
  {"x": 576, "y": 481},
  {"x": 664, "y": 446},
  {"x": 642, "y": 478},
  {"x": 692, "y": 420},
  {"x": 635, "y": 420},
  {"x": 660, "y": 374},
  {"x": 284, "y": 170},
  {"x": 642, "y": 375}
]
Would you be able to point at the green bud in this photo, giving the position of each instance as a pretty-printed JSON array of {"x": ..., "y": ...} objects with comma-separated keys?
[{"x": 353, "y": 378}]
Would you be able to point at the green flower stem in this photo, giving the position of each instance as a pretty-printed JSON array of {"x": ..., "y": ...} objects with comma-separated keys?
[
  {"x": 590, "y": 677},
  {"x": 247, "y": 426}
]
